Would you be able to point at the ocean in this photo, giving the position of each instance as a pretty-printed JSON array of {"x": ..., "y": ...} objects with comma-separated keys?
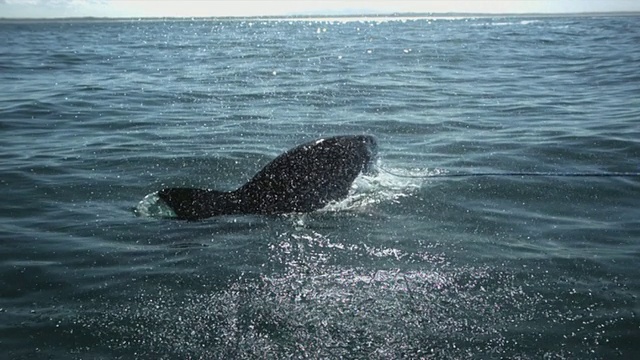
[{"x": 97, "y": 114}]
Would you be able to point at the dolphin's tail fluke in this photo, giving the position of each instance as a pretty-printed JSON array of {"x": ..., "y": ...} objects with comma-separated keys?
[{"x": 194, "y": 204}]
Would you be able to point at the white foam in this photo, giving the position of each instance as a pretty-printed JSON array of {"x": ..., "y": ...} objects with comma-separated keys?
[
  {"x": 153, "y": 207},
  {"x": 385, "y": 186}
]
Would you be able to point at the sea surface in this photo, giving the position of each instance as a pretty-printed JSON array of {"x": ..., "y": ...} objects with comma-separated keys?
[{"x": 95, "y": 115}]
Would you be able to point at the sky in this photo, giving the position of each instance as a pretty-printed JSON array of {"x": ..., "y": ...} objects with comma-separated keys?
[{"x": 214, "y": 8}]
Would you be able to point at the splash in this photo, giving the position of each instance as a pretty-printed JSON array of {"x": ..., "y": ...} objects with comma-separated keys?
[
  {"x": 331, "y": 312},
  {"x": 151, "y": 206},
  {"x": 384, "y": 187}
]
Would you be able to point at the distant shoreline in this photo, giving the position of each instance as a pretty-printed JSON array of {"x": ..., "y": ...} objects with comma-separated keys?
[{"x": 372, "y": 17}]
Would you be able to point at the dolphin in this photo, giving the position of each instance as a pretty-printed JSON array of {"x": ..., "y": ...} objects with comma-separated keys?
[{"x": 303, "y": 179}]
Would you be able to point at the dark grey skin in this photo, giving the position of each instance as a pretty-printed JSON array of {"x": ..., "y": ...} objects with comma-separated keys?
[{"x": 301, "y": 180}]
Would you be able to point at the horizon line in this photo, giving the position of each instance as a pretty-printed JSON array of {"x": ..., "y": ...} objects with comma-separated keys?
[{"x": 328, "y": 16}]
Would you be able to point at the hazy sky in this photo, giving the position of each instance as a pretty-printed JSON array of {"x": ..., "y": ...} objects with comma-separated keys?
[{"x": 189, "y": 8}]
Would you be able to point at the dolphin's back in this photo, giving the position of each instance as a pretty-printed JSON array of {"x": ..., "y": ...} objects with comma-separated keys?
[{"x": 303, "y": 179}]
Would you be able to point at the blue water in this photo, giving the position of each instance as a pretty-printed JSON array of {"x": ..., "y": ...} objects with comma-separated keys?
[{"x": 95, "y": 115}]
